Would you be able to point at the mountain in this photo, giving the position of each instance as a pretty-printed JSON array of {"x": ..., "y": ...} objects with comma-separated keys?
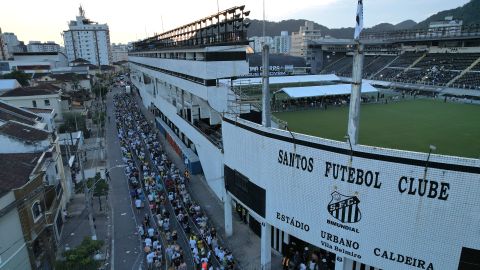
[
  {"x": 274, "y": 28},
  {"x": 468, "y": 13}
]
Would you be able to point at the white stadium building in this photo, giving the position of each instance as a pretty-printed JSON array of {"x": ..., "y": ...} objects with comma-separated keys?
[{"x": 371, "y": 207}]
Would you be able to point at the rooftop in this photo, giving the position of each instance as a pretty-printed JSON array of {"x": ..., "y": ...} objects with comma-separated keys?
[
  {"x": 65, "y": 76},
  {"x": 23, "y": 132},
  {"x": 7, "y": 84},
  {"x": 9, "y": 112},
  {"x": 15, "y": 170},
  {"x": 38, "y": 110},
  {"x": 38, "y": 90}
]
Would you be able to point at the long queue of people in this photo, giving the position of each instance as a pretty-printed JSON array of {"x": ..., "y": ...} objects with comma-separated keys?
[{"x": 155, "y": 181}]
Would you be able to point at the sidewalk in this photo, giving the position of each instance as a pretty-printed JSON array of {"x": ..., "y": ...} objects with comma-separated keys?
[
  {"x": 76, "y": 226},
  {"x": 244, "y": 243}
]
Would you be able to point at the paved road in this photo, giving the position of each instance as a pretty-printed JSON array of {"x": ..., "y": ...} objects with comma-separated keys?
[{"x": 126, "y": 246}]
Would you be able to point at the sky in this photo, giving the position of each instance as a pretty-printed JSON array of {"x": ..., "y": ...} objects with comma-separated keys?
[{"x": 132, "y": 20}]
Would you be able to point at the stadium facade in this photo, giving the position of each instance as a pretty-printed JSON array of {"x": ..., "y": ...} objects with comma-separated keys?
[{"x": 373, "y": 208}]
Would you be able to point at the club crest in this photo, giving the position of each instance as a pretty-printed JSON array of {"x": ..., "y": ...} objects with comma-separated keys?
[{"x": 344, "y": 208}]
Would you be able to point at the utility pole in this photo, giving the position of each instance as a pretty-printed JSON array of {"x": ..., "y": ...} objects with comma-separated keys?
[{"x": 88, "y": 200}]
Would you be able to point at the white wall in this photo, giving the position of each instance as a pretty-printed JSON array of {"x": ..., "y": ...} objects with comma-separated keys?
[
  {"x": 199, "y": 69},
  {"x": 13, "y": 251},
  {"x": 26, "y": 101},
  {"x": 391, "y": 220},
  {"x": 210, "y": 156},
  {"x": 48, "y": 119}
]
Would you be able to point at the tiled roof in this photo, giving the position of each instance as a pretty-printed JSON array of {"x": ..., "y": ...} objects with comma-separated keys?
[
  {"x": 38, "y": 110},
  {"x": 23, "y": 132},
  {"x": 9, "y": 112},
  {"x": 15, "y": 170},
  {"x": 69, "y": 76},
  {"x": 80, "y": 60},
  {"x": 43, "y": 89},
  {"x": 37, "y": 75}
]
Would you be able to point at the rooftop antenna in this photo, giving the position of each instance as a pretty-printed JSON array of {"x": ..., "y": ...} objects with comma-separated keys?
[
  {"x": 263, "y": 30},
  {"x": 266, "y": 114},
  {"x": 81, "y": 11},
  {"x": 161, "y": 18}
]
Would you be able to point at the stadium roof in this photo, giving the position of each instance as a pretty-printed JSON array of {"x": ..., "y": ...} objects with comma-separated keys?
[
  {"x": 324, "y": 90},
  {"x": 287, "y": 79}
]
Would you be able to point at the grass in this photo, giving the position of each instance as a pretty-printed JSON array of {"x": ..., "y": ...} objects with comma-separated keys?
[{"x": 408, "y": 125}]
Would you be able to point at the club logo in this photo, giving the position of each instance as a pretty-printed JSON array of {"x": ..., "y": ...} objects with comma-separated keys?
[{"x": 344, "y": 208}]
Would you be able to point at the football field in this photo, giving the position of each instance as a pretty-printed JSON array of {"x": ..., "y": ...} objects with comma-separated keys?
[{"x": 408, "y": 125}]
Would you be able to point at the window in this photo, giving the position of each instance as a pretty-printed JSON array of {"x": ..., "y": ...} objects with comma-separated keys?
[
  {"x": 47, "y": 102},
  {"x": 36, "y": 211},
  {"x": 34, "y": 103}
]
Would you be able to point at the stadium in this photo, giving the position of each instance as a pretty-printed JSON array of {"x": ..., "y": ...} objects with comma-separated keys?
[{"x": 405, "y": 196}]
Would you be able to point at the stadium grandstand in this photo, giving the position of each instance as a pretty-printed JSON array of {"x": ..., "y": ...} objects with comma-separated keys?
[{"x": 439, "y": 57}]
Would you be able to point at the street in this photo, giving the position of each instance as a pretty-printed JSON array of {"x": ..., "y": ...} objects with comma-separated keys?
[{"x": 126, "y": 250}]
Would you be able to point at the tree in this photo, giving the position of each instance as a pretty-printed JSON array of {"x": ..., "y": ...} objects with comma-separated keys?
[
  {"x": 74, "y": 122},
  {"x": 20, "y": 76},
  {"x": 100, "y": 189},
  {"x": 75, "y": 82},
  {"x": 81, "y": 257},
  {"x": 100, "y": 91}
]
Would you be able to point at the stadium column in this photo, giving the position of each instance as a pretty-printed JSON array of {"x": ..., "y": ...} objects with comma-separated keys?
[
  {"x": 341, "y": 263},
  {"x": 227, "y": 209},
  {"x": 265, "y": 246},
  {"x": 266, "y": 116},
  {"x": 355, "y": 97}
]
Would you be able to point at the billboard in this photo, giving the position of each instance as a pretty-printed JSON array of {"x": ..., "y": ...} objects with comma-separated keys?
[{"x": 386, "y": 208}]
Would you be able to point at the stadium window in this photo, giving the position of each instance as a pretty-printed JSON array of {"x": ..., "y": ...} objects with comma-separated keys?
[
  {"x": 47, "y": 102},
  {"x": 34, "y": 103}
]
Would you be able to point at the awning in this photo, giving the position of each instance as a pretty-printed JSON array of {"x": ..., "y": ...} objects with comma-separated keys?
[
  {"x": 287, "y": 79},
  {"x": 325, "y": 90}
]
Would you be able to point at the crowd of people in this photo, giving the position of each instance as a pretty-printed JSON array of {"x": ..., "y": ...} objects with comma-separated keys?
[
  {"x": 175, "y": 220},
  {"x": 302, "y": 258}
]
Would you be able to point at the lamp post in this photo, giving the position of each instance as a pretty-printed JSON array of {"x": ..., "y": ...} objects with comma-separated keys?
[
  {"x": 88, "y": 199},
  {"x": 431, "y": 148},
  {"x": 107, "y": 178}
]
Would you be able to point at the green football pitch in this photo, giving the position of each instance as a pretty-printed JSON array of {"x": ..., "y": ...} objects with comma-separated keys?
[{"x": 408, "y": 125}]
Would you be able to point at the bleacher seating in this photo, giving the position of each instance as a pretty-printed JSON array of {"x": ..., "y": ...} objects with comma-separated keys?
[
  {"x": 410, "y": 76},
  {"x": 476, "y": 67},
  {"x": 338, "y": 66},
  {"x": 347, "y": 70},
  {"x": 406, "y": 59},
  {"x": 448, "y": 61},
  {"x": 469, "y": 80},
  {"x": 432, "y": 69},
  {"x": 388, "y": 74},
  {"x": 378, "y": 63}
]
